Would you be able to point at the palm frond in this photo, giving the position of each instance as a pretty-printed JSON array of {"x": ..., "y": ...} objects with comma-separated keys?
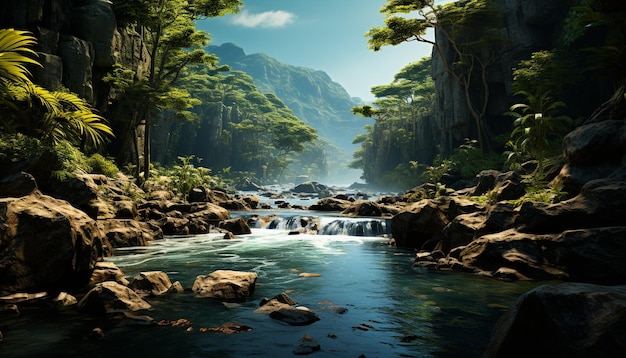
[{"x": 15, "y": 51}]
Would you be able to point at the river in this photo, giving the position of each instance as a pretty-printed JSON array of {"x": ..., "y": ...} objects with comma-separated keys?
[{"x": 393, "y": 310}]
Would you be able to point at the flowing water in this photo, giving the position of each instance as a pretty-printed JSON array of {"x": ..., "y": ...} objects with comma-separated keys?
[{"x": 393, "y": 310}]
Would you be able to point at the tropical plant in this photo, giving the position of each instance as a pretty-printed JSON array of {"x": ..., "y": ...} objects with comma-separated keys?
[
  {"x": 33, "y": 110},
  {"x": 538, "y": 123}
]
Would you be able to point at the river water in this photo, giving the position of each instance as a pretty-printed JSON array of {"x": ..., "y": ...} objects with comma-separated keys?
[{"x": 393, "y": 310}]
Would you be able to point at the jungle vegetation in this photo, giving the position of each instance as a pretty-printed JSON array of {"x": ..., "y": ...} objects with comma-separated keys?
[
  {"x": 210, "y": 123},
  {"x": 552, "y": 88}
]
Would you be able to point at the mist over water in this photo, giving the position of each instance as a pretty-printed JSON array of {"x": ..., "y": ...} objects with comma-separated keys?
[{"x": 392, "y": 309}]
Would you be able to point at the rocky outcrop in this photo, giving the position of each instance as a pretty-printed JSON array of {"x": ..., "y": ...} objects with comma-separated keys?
[
  {"x": 593, "y": 151},
  {"x": 578, "y": 239},
  {"x": 79, "y": 42},
  {"x": 528, "y": 26},
  {"x": 46, "y": 244},
  {"x": 571, "y": 320}
]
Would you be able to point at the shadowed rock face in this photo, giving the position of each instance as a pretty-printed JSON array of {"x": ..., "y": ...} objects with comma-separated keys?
[
  {"x": 568, "y": 320},
  {"x": 48, "y": 245},
  {"x": 78, "y": 43}
]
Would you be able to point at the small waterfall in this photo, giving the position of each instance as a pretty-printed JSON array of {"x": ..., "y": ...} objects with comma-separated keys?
[
  {"x": 296, "y": 222},
  {"x": 357, "y": 227},
  {"x": 324, "y": 226}
]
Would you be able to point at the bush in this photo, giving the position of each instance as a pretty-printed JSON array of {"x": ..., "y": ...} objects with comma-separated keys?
[{"x": 102, "y": 165}]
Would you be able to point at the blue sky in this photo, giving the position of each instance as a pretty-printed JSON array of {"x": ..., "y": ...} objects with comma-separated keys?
[{"x": 327, "y": 35}]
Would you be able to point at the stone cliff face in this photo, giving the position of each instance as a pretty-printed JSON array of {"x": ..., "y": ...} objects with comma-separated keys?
[
  {"x": 530, "y": 25},
  {"x": 79, "y": 42}
]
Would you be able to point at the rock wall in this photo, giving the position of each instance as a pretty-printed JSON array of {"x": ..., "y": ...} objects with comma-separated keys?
[
  {"x": 79, "y": 42},
  {"x": 530, "y": 25}
]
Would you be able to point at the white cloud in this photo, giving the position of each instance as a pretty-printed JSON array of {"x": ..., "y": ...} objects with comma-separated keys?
[{"x": 267, "y": 19}]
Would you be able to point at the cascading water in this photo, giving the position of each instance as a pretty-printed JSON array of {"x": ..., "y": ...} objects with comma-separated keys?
[
  {"x": 391, "y": 309},
  {"x": 325, "y": 225}
]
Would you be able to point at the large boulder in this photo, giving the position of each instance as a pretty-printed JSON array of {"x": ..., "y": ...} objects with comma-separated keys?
[
  {"x": 363, "y": 208},
  {"x": 111, "y": 297},
  {"x": 151, "y": 283},
  {"x": 238, "y": 226},
  {"x": 107, "y": 271},
  {"x": 283, "y": 308},
  {"x": 225, "y": 285},
  {"x": 592, "y": 151},
  {"x": 600, "y": 203},
  {"x": 125, "y": 232},
  {"x": 567, "y": 320},
  {"x": 419, "y": 223},
  {"x": 17, "y": 185},
  {"x": 309, "y": 187},
  {"x": 47, "y": 245},
  {"x": 588, "y": 255},
  {"x": 330, "y": 204}
]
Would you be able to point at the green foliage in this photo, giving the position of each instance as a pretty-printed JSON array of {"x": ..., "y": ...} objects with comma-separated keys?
[
  {"x": 180, "y": 179},
  {"x": 472, "y": 29},
  {"x": 16, "y": 50},
  {"x": 545, "y": 72},
  {"x": 102, "y": 165},
  {"x": 467, "y": 159},
  {"x": 425, "y": 191},
  {"x": 72, "y": 161},
  {"x": 33, "y": 110},
  {"x": 539, "y": 124},
  {"x": 541, "y": 193},
  {"x": 402, "y": 176},
  {"x": 390, "y": 145},
  {"x": 18, "y": 148}
]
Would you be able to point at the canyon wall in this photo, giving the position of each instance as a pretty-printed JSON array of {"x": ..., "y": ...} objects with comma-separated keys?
[{"x": 79, "y": 41}]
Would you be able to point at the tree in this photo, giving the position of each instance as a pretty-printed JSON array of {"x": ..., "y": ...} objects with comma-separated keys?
[
  {"x": 390, "y": 144},
  {"x": 174, "y": 44},
  {"x": 471, "y": 28},
  {"x": 33, "y": 110}
]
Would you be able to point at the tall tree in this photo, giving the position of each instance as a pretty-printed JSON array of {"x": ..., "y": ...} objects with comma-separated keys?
[
  {"x": 174, "y": 44},
  {"x": 471, "y": 29},
  {"x": 390, "y": 144}
]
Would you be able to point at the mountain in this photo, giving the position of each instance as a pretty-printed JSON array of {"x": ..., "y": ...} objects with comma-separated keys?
[{"x": 310, "y": 94}]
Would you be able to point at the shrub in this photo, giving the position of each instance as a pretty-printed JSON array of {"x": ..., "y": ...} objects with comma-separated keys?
[{"x": 102, "y": 165}]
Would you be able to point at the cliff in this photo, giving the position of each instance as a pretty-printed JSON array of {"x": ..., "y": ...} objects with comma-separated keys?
[
  {"x": 79, "y": 42},
  {"x": 529, "y": 26}
]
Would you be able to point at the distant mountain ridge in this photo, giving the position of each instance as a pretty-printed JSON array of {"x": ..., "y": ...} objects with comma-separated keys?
[{"x": 311, "y": 94}]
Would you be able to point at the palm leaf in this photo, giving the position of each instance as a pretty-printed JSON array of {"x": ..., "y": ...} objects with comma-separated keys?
[{"x": 15, "y": 46}]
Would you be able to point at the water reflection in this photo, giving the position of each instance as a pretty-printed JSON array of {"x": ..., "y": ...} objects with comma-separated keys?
[{"x": 392, "y": 309}]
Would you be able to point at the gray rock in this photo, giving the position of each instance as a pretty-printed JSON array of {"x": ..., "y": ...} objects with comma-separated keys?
[
  {"x": 567, "y": 320},
  {"x": 306, "y": 345}
]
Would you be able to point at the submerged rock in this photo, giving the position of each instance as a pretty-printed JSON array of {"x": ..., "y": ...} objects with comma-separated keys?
[{"x": 306, "y": 345}]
